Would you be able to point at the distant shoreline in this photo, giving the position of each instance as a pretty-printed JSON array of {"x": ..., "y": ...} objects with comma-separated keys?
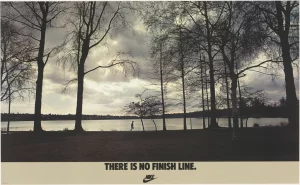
[
  {"x": 2, "y": 120},
  {"x": 264, "y": 112}
]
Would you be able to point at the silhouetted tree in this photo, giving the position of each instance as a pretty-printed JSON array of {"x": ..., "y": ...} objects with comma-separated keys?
[
  {"x": 159, "y": 67},
  {"x": 241, "y": 39},
  {"x": 35, "y": 17},
  {"x": 145, "y": 107},
  {"x": 16, "y": 66},
  {"x": 205, "y": 16},
  {"x": 282, "y": 20},
  {"x": 92, "y": 22},
  {"x": 282, "y": 102},
  {"x": 153, "y": 107}
]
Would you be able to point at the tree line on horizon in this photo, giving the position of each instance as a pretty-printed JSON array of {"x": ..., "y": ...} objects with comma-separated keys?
[
  {"x": 257, "y": 108},
  {"x": 199, "y": 45}
]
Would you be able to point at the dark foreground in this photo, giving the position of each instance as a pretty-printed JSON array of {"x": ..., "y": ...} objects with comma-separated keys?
[{"x": 255, "y": 144}]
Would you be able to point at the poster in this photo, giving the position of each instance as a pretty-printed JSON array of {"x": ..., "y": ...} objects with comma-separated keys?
[{"x": 149, "y": 92}]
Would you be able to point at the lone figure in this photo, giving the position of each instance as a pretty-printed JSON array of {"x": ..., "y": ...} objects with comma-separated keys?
[{"x": 132, "y": 127}]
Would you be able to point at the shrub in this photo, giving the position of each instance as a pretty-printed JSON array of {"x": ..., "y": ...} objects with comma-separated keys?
[
  {"x": 256, "y": 125},
  {"x": 282, "y": 124},
  {"x": 65, "y": 129}
]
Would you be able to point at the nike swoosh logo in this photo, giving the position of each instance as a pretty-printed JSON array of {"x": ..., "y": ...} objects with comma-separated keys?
[{"x": 147, "y": 180}]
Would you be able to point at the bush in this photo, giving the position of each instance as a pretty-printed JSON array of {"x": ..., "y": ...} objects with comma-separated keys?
[
  {"x": 65, "y": 129},
  {"x": 282, "y": 124},
  {"x": 256, "y": 125}
]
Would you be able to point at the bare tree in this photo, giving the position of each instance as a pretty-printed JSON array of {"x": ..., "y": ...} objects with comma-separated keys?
[
  {"x": 35, "y": 17},
  {"x": 16, "y": 66},
  {"x": 227, "y": 95},
  {"x": 91, "y": 24},
  {"x": 204, "y": 17},
  {"x": 182, "y": 68},
  {"x": 159, "y": 67},
  {"x": 282, "y": 20},
  {"x": 241, "y": 39},
  {"x": 153, "y": 108},
  {"x": 137, "y": 108},
  {"x": 145, "y": 107}
]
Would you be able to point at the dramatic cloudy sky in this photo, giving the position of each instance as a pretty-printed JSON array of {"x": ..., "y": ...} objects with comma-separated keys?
[{"x": 108, "y": 91}]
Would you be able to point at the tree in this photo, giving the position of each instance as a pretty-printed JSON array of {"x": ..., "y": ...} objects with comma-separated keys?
[
  {"x": 282, "y": 102},
  {"x": 182, "y": 75},
  {"x": 36, "y": 17},
  {"x": 241, "y": 37},
  {"x": 282, "y": 20},
  {"x": 16, "y": 65},
  {"x": 153, "y": 107},
  {"x": 91, "y": 25},
  {"x": 136, "y": 108},
  {"x": 173, "y": 36},
  {"x": 204, "y": 17},
  {"x": 145, "y": 107},
  {"x": 159, "y": 67}
]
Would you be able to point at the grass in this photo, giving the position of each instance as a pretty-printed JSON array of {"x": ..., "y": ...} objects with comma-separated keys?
[{"x": 255, "y": 144}]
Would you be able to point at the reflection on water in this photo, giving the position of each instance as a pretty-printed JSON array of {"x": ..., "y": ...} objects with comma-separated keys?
[{"x": 125, "y": 125}]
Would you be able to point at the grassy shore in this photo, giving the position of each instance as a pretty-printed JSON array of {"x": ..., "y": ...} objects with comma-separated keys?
[{"x": 254, "y": 144}]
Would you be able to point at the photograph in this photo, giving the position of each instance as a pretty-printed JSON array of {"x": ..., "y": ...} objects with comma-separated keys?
[{"x": 150, "y": 81}]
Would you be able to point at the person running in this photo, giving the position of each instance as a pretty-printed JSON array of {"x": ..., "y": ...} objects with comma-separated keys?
[{"x": 132, "y": 127}]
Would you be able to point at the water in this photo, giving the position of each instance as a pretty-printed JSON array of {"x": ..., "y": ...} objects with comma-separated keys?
[{"x": 125, "y": 125}]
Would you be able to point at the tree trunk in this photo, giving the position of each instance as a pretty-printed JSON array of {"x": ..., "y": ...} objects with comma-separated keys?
[
  {"x": 143, "y": 124},
  {"x": 162, "y": 90},
  {"x": 38, "y": 100},
  {"x": 227, "y": 96},
  {"x": 291, "y": 97},
  {"x": 184, "y": 103},
  {"x": 9, "y": 99},
  {"x": 202, "y": 93},
  {"x": 182, "y": 79},
  {"x": 39, "y": 83},
  {"x": 154, "y": 124},
  {"x": 9, "y": 104},
  {"x": 234, "y": 106},
  {"x": 241, "y": 104},
  {"x": 80, "y": 81},
  {"x": 207, "y": 103},
  {"x": 213, "y": 123}
]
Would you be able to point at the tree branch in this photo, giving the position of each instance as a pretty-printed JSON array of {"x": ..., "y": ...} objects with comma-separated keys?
[{"x": 254, "y": 66}]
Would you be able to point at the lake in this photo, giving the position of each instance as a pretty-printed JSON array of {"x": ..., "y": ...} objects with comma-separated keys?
[{"x": 125, "y": 125}]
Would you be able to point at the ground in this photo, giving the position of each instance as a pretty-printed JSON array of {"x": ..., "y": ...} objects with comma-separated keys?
[{"x": 254, "y": 144}]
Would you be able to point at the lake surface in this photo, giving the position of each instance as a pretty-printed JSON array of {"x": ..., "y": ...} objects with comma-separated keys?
[{"x": 125, "y": 125}]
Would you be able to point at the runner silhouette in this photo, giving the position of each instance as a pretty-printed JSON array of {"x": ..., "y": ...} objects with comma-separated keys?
[{"x": 132, "y": 127}]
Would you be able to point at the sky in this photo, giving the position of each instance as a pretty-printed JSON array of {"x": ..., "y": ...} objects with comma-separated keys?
[{"x": 107, "y": 91}]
